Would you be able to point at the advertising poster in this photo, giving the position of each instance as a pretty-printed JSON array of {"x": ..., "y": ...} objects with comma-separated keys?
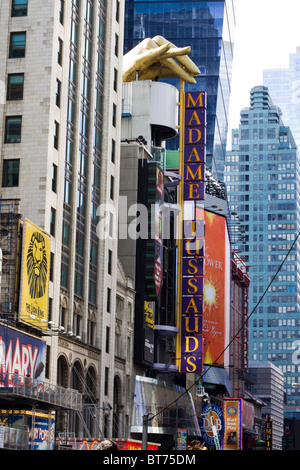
[
  {"x": 206, "y": 428},
  {"x": 21, "y": 355},
  {"x": 233, "y": 424},
  {"x": 40, "y": 425},
  {"x": 181, "y": 439},
  {"x": 158, "y": 231},
  {"x": 40, "y": 436},
  {"x": 216, "y": 291},
  {"x": 35, "y": 275}
]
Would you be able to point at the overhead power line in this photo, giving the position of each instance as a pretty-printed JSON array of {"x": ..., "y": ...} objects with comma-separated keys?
[{"x": 233, "y": 338}]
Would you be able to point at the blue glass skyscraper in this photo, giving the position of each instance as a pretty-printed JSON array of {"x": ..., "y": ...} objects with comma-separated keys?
[
  {"x": 284, "y": 88},
  {"x": 208, "y": 27},
  {"x": 262, "y": 179}
]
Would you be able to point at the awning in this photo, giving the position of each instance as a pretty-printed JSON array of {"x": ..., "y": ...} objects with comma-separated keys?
[
  {"x": 167, "y": 406},
  {"x": 216, "y": 376}
]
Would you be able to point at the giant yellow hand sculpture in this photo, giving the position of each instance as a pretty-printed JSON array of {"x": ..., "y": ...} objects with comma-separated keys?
[{"x": 153, "y": 59}]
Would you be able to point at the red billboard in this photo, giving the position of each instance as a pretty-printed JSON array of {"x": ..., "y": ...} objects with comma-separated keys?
[{"x": 216, "y": 289}]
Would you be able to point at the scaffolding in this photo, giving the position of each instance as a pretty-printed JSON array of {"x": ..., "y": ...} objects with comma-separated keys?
[
  {"x": 83, "y": 408},
  {"x": 9, "y": 240},
  {"x": 239, "y": 326}
]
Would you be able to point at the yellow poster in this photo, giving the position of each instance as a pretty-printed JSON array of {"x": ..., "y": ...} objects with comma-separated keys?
[
  {"x": 233, "y": 435},
  {"x": 35, "y": 276}
]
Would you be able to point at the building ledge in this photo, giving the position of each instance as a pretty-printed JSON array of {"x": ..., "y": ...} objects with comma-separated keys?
[
  {"x": 166, "y": 329},
  {"x": 161, "y": 367}
]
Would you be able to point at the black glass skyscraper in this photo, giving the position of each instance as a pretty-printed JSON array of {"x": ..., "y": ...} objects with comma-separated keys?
[{"x": 208, "y": 27}]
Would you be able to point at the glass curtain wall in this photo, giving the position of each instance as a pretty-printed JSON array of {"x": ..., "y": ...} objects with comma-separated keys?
[{"x": 208, "y": 27}]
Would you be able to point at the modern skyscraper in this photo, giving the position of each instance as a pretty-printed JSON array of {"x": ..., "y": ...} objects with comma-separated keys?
[
  {"x": 208, "y": 27},
  {"x": 284, "y": 88},
  {"x": 60, "y": 119},
  {"x": 262, "y": 178}
]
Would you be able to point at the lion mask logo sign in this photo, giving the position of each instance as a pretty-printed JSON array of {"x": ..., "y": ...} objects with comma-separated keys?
[{"x": 37, "y": 265}]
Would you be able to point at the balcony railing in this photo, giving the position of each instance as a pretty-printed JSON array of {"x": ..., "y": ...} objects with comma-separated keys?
[
  {"x": 13, "y": 439},
  {"x": 15, "y": 385}
]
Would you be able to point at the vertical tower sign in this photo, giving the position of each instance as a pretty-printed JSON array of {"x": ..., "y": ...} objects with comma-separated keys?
[{"x": 192, "y": 169}]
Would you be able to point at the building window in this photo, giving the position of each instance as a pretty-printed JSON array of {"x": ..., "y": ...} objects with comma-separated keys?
[
  {"x": 107, "y": 339},
  {"x": 64, "y": 275},
  {"x": 54, "y": 177},
  {"x": 51, "y": 268},
  {"x": 17, "y": 45},
  {"x": 113, "y": 150},
  {"x": 106, "y": 381},
  {"x": 114, "y": 115},
  {"x": 58, "y": 92},
  {"x": 52, "y": 222},
  {"x": 13, "y": 125},
  {"x": 108, "y": 300},
  {"x": 19, "y": 7},
  {"x": 10, "y": 173},
  {"x": 78, "y": 284},
  {"x": 109, "y": 261},
  {"x": 112, "y": 184},
  {"x": 116, "y": 45},
  {"x": 59, "y": 51},
  {"x": 61, "y": 11},
  {"x": 92, "y": 292},
  {"x": 63, "y": 317},
  {"x": 15, "y": 84},
  {"x": 91, "y": 334},
  {"x": 115, "y": 79},
  {"x": 56, "y": 132},
  {"x": 77, "y": 323},
  {"x": 117, "y": 10}
]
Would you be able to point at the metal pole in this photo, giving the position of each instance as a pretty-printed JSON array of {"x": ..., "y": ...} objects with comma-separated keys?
[
  {"x": 214, "y": 429},
  {"x": 145, "y": 432}
]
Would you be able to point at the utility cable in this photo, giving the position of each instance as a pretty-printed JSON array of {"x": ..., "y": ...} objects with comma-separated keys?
[{"x": 234, "y": 337}]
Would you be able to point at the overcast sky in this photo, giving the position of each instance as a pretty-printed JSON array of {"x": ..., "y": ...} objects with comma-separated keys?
[{"x": 267, "y": 32}]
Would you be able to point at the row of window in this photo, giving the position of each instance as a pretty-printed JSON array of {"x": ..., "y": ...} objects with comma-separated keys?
[
  {"x": 246, "y": 158},
  {"x": 15, "y": 90},
  {"x": 273, "y": 345},
  {"x": 20, "y": 8},
  {"x": 11, "y": 167},
  {"x": 271, "y": 207},
  {"x": 281, "y": 334}
]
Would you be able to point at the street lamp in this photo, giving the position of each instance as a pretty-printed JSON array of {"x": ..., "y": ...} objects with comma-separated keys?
[{"x": 295, "y": 385}]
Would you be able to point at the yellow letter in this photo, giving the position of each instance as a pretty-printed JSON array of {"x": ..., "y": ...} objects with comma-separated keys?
[
  {"x": 194, "y": 103},
  {"x": 193, "y": 189},
  {"x": 194, "y": 154},
  {"x": 189, "y": 359},
  {"x": 194, "y": 117},
  {"x": 193, "y": 175},
  {"x": 191, "y": 141},
  {"x": 195, "y": 268},
  {"x": 187, "y": 326},
  {"x": 190, "y": 283},
  {"x": 192, "y": 304},
  {"x": 196, "y": 251}
]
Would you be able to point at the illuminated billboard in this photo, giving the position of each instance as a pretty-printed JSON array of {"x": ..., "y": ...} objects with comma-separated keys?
[
  {"x": 216, "y": 298},
  {"x": 189, "y": 349},
  {"x": 22, "y": 354},
  {"x": 233, "y": 435},
  {"x": 149, "y": 259},
  {"x": 34, "y": 276}
]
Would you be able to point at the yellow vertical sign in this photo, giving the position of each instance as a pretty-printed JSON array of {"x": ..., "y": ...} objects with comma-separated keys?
[{"x": 35, "y": 276}]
